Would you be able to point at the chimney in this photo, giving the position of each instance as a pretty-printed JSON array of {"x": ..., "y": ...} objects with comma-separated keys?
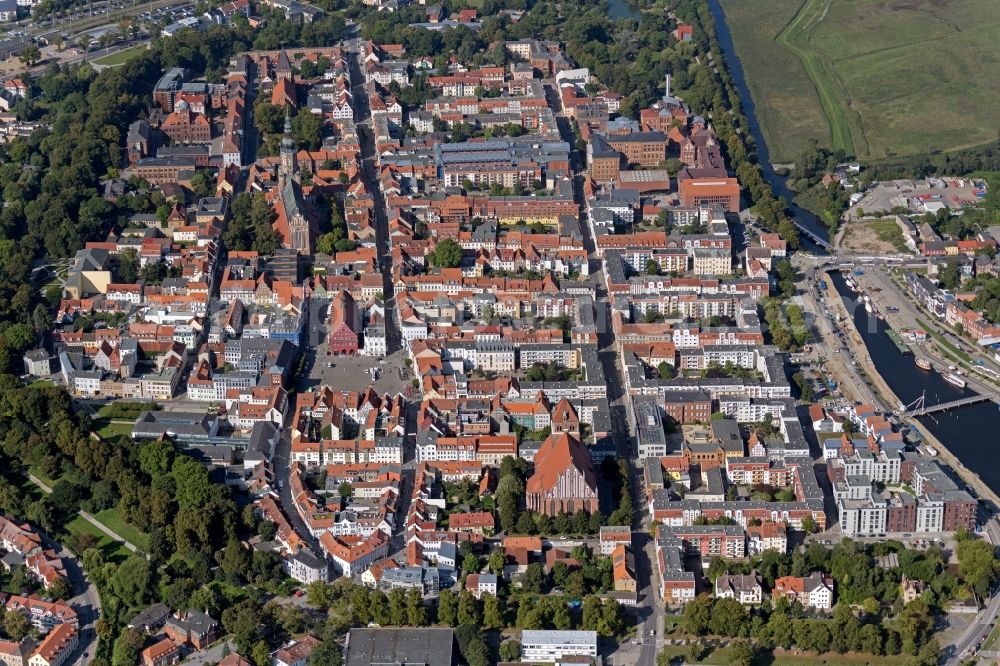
[{"x": 667, "y": 94}]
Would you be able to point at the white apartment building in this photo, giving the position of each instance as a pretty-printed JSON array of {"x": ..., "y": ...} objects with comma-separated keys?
[{"x": 553, "y": 646}]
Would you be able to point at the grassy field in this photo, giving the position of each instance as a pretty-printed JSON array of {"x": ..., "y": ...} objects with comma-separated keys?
[
  {"x": 121, "y": 57},
  {"x": 108, "y": 428},
  {"x": 112, "y": 549},
  {"x": 877, "y": 78},
  {"x": 112, "y": 519},
  {"x": 787, "y": 105}
]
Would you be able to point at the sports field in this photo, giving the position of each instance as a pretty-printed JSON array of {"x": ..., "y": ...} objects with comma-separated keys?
[{"x": 876, "y": 78}]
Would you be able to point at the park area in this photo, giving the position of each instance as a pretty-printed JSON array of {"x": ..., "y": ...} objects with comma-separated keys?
[{"x": 875, "y": 78}]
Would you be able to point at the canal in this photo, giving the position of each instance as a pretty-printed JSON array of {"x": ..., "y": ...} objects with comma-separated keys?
[
  {"x": 778, "y": 183},
  {"x": 965, "y": 431}
]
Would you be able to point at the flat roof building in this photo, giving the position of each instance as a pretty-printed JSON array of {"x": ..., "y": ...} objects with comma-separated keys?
[
  {"x": 391, "y": 647},
  {"x": 553, "y": 646}
]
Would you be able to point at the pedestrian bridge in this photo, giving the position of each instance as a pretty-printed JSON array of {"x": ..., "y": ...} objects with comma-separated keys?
[{"x": 918, "y": 408}]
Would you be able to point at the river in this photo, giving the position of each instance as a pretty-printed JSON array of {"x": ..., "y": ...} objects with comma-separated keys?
[
  {"x": 778, "y": 183},
  {"x": 964, "y": 431}
]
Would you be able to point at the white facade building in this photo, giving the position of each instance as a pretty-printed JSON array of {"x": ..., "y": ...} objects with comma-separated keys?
[{"x": 553, "y": 646}]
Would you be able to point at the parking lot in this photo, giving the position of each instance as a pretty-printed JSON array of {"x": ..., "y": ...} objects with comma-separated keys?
[{"x": 916, "y": 195}]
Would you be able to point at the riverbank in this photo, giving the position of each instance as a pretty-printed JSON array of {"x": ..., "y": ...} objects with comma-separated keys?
[
  {"x": 859, "y": 350},
  {"x": 722, "y": 39},
  {"x": 861, "y": 354}
]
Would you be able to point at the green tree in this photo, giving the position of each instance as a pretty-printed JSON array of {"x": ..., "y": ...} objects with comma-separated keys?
[
  {"x": 492, "y": 612},
  {"x": 949, "y": 276},
  {"x": 260, "y": 655},
  {"x": 977, "y": 562},
  {"x": 914, "y": 624},
  {"x": 497, "y": 561},
  {"x": 697, "y": 651},
  {"x": 665, "y": 370},
  {"x": 16, "y": 625},
  {"x": 508, "y": 495},
  {"x": 243, "y": 622},
  {"x": 234, "y": 560},
  {"x": 126, "y": 649},
  {"x": 326, "y": 653},
  {"x": 133, "y": 580},
  {"x": 468, "y": 609},
  {"x": 416, "y": 612},
  {"x": 327, "y": 243},
  {"x": 128, "y": 266},
  {"x": 534, "y": 578},
  {"x": 730, "y": 617},
  {"x": 742, "y": 653},
  {"x": 319, "y": 594},
  {"x": 447, "y": 254},
  {"x": 29, "y": 55},
  {"x": 510, "y": 650},
  {"x": 307, "y": 129},
  {"x": 447, "y": 608},
  {"x": 204, "y": 599},
  {"x": 612, "y": 622},
  {"x": 698, "y": 615},
  {"x": 59, "y": 589},
  {"x": 397, "y": 607},
  {"x": 202, "y": 183}
]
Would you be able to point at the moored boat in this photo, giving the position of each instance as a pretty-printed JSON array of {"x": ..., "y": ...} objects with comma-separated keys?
[
  {"x": 868, "y": 307},
  {"x": 923, "y": 364},
  {"x": 952, "y": 378}
]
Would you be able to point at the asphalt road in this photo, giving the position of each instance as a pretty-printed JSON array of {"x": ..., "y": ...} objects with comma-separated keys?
[
  {"x": 369, "y": 173},
  {"x": 86, "y": 603}
]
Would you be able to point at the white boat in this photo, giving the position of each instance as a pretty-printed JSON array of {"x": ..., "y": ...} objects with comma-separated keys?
[
  {"x": 868, "y": 307},
  {"x": 952, "y": 378},
  {"x": 924, "y": 364}
]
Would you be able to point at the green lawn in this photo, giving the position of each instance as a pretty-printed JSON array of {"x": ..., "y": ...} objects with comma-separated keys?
[
  {"x": 114, "y": 550},
  {"x": 878, "y": 78},
  {"x": 121, "y": 57},
  {"x": 721, "y": 657},
  {"x": 786, "y": 102},
  {"x": 107, "y": 428},
  {"x": 795, "y": 37},
  {"x": 113, "y": 520}
]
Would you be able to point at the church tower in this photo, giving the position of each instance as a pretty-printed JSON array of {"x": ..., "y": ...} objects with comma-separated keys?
[{"x": 289, "y": 167}]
